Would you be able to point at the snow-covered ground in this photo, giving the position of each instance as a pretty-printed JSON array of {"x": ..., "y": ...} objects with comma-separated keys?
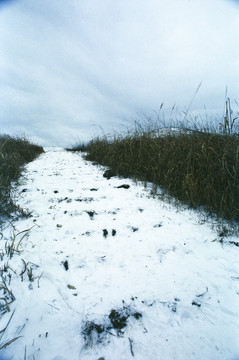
[{"x": 108, "y": 272}]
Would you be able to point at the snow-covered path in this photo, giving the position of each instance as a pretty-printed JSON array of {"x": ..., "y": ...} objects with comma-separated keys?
[{"x": 109, "y": 273}]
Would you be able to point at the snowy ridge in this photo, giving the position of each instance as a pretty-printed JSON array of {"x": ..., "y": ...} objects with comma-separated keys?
[{"x": 106, "y": 272}]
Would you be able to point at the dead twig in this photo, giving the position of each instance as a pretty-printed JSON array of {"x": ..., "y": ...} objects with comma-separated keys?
[{"x": 131, "y": 346}]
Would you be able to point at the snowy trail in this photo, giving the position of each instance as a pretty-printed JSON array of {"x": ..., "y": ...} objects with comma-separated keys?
[{"x": 114, "y": 274}]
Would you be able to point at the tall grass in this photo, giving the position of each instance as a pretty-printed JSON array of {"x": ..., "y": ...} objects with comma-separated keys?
[
  {"x": 14, "y": 153},
  {"x": 200, "y": 167}
]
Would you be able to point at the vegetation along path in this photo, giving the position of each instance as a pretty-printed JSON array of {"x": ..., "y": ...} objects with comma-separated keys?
[{"x": 101, "y": 270}]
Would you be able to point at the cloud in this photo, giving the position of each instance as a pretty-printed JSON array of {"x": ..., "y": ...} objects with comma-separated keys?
[{"x": 70, "y": 67}]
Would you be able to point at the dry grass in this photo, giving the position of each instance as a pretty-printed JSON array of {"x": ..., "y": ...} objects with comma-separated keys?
[
  {"x": 14, "y": 154},
  {"x": 200, "y": 167}
]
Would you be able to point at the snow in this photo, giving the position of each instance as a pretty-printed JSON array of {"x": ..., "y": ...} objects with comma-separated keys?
[{"x": 95, "y": 251}]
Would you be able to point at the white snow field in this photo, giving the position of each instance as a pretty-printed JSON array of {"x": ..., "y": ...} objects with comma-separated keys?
[{"x": 108, "y": 272}]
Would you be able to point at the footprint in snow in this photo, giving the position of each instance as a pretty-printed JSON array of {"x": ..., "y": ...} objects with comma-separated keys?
[
  {"x": 65, "y": 264},
  {"x": 158, "y": 225},
  {"x": 106, "y": 233},
  {"x": 123, "y": 186},
  {"x": 91, "y": 214},
  {"x": 133, "y": 228}
]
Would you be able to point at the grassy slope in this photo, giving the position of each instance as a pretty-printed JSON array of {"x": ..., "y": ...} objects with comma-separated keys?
[
  {"x": 14, "y": 153},
  {"x": 200, "y": 169}
]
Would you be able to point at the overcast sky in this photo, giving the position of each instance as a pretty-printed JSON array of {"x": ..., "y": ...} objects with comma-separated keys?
[{"x": 70, "y": 67}]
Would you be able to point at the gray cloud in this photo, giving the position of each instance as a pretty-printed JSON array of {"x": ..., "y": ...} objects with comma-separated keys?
[{"x": 70, "y": 67}]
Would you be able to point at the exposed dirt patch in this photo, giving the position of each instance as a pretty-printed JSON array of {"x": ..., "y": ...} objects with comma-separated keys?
[{"x": 114, "y": 324}]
